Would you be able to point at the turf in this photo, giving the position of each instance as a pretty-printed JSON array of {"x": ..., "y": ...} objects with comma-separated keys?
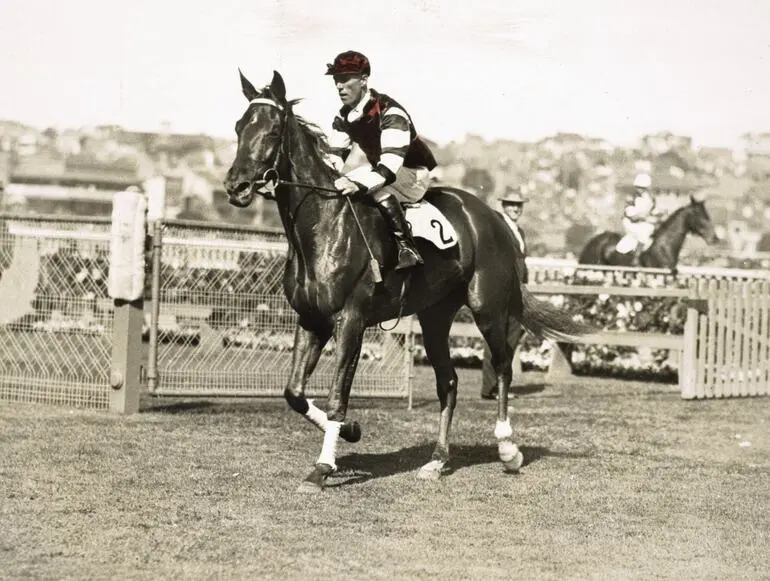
[{"x": 622, "y": 480}]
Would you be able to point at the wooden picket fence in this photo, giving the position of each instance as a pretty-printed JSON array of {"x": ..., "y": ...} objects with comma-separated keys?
[
  {"x": 732, "y": 349},
  {"x": 724, "y": 350}
]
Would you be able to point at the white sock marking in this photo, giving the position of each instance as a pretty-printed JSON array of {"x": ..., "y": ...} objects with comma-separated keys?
[
  {"x": 329, "y": 450},
  {"x": 503, "y": 429},
  {"x": 316, "y": 416}
]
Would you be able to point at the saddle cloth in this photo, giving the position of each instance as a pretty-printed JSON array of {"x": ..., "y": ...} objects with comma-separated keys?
[{"x": 426, "y": 221}]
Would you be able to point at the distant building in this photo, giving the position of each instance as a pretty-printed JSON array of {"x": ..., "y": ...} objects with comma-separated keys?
[
  {"x": 757, "y": 155},
  {"x": 663, "y": 141},
  {"x": 716, "y": 161},
  {"x": 49, "y": 183}
]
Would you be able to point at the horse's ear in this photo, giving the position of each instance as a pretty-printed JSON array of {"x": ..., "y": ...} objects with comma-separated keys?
[
  {"x": 277, "y": 87},
  {"x": 698, "y": 198},
  {"x": 248, "y": 89}
]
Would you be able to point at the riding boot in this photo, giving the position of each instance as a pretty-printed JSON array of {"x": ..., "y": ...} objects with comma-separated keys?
[{"x": 391, "y": 210}]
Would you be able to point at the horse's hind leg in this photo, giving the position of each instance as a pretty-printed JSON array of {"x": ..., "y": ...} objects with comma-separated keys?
[
  {"x": 436, "y": 322},
  {"x": 502, "y": 334}
]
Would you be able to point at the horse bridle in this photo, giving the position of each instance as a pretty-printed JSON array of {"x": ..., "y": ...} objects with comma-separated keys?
[{"x": 272, "y": 175}]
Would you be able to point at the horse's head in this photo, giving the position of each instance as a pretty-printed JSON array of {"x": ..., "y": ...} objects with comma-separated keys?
[
  {"x": 699, "y": 221},
  {"x": 261, "y": 133}
]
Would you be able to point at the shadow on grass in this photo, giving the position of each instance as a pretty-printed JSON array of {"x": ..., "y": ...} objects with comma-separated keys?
[
  {"x": 360, "y": 468},
  {"x": 528, "y": 388},
  {"x": 242, "y": 406},
  {"x": 515, "y": 390},
  {"x": 204, "y": 406}
]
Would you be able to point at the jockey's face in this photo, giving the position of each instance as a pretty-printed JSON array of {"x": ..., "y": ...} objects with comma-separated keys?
[
  {"x": 513, "y": 211},
  {"x": 351, "y": 88}
]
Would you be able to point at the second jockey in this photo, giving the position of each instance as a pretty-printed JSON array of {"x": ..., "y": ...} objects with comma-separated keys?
[
  {"x": 639, "y": 217},
  {"x": 399, "y": 162}
]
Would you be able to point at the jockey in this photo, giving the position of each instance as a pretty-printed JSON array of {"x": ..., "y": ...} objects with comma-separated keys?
[
  {"x": 399, "y": 161},
  {"x": 639, "y": 217}
]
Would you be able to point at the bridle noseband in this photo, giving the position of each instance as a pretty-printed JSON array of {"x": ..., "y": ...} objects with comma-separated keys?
[{"x": 271, "y": 175}]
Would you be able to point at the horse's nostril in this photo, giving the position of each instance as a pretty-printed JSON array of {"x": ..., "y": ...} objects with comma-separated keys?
[{"x": 239, "y": 189}]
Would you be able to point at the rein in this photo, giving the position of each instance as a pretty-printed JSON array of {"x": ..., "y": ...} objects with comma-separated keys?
[{"x": 272, "y": 179}]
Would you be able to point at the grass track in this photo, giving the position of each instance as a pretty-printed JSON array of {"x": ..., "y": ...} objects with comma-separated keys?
[{"x": 622, "y": 480}]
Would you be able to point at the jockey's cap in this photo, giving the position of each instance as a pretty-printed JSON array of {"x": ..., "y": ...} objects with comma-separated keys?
[
  {"x": 349, "y": 62},
  {"x": 643, "y": 180}
]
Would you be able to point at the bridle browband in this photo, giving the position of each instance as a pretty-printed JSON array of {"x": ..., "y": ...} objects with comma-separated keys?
[{"x": 272, "y": 175}]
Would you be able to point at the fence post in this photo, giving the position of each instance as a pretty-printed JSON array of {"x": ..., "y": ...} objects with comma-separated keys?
[
  {"x": 127, "y": 356},
  {"x": 688, "y": 366},
  {"x": 409, "y": 361},
  {"x": 152, "y": 363},
  {"x": 156, "y": 209},
  {"x": 126, "y": 287},
  {"x": 561, "y": 362}
]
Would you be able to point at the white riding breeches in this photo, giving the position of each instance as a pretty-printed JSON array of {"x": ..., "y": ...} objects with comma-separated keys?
[
  {"x": 637, "y": 233},
  {"x": 410, "y": 185}
]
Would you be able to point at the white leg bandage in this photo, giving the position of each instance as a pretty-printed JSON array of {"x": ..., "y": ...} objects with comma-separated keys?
[
  {"x": 507, "y": 450},
  {"x": 315, "y": 415},
  {"x": 503, "y": 429},
  {"x": 329, "y": 450}
]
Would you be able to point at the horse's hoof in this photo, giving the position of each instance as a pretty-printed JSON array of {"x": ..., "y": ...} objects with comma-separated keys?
[
  {"x": 512, "y": 466},
  {"x": 350, "y": 432},
  {"x": 316, "y": 480},
  {"x": 431, "y": 471},
  {"x": 510, "y": 456}
]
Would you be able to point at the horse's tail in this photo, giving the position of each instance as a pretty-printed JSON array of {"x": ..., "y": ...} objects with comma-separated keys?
[{"x": 546, "y": 321}]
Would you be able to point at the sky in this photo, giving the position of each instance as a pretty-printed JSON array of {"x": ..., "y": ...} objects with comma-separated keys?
[{"x": 507, "y": 69}]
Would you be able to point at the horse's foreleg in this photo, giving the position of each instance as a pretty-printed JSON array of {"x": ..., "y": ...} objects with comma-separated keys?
[
  {"x": 349, "y": 335},
  {"x": 308, "y": 344}
]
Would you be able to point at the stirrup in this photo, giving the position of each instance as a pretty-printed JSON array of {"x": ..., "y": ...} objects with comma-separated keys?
[{"x": 407, "y": 257}]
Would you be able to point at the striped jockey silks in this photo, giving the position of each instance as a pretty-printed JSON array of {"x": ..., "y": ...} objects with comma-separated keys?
[{"x": 385, "y": 133}]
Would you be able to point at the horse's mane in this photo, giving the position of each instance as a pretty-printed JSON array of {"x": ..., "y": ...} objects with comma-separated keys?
[
  {"x": 313, "y": 137},
  {"x": 673, "y": 216}
]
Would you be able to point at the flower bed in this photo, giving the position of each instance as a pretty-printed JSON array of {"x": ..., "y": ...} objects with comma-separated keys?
[{"x": 613, "y": 313}]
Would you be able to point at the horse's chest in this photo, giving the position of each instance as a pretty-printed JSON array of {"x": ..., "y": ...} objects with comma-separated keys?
[{"x": 313, "y": 296}]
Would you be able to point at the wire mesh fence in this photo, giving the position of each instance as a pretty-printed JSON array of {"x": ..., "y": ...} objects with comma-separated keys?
[
  {"x": 55, "y": 320},
  {"x": 225, "y": 327}
]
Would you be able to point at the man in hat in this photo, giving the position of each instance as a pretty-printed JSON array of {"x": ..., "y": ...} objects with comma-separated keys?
[
  {"x": 513, "y": 206},
  {"x": 639, "y": 217},
  {"x": 399, "y": 162}
]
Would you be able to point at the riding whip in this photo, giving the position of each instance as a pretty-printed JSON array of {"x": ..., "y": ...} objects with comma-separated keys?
[{"x": 374, "y": 266}]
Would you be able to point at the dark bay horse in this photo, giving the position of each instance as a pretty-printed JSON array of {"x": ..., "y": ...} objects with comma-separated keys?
[
  {"x": 667, "y": 241},
  {"x": 329, "y": 283}
]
